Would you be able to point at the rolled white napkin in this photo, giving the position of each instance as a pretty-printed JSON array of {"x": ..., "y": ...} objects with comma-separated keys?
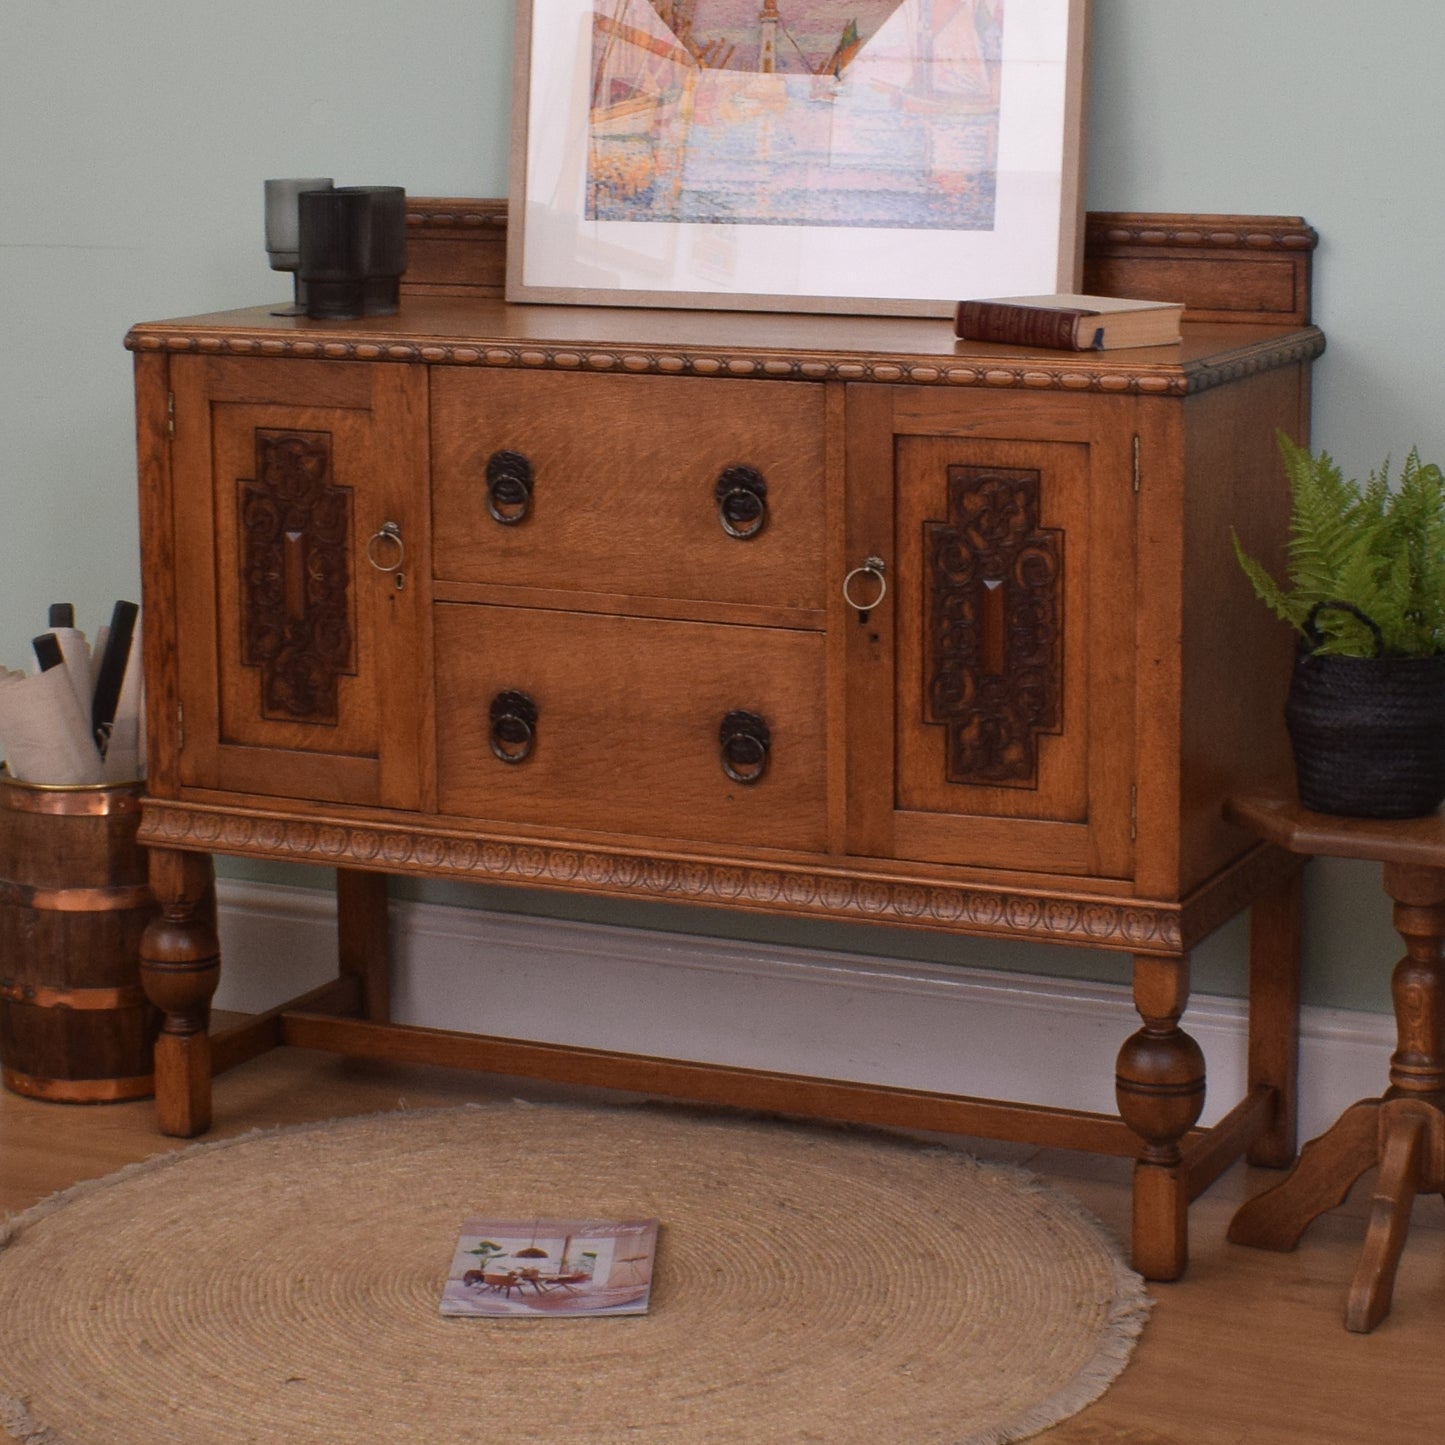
[
  {"x": 102, "y": 636},
  {"x": 76, "y": 652},
  {"x": 44, "y": 733}
]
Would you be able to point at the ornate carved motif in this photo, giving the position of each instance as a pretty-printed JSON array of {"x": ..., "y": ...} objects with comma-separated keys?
[
  {"x": 993, "y": 659},
  {"x": 295, "y": 527}
]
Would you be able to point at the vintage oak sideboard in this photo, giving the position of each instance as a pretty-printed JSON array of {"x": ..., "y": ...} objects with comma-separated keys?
[{"x": 820, "y": 615}]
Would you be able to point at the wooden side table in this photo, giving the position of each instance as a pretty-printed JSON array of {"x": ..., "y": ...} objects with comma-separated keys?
[{"x": 1403, "y": 1132}]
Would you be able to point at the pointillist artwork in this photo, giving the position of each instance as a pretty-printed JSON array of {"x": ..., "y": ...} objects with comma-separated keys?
[
  {"x": 795, "y": 112},
  {"x": 865, "y": 156}
]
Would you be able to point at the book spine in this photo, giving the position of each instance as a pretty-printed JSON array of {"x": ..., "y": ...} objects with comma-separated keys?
[{"x": 1024, "y": 325}]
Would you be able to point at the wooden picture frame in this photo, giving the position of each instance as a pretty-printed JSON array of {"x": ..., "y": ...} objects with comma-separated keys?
[{"x": 662, "y": 157}]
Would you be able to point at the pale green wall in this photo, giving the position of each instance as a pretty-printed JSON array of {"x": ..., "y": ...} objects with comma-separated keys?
[{"x": 134, "y": 138}]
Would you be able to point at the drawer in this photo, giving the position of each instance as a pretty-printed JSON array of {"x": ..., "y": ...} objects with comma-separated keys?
[
  {"x": 625, "y": 476},
  {"x": 629, "y": 719}
]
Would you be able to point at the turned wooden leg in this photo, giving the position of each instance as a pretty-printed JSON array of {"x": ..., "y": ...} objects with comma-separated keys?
[
  {"x": 1159, "y": 1084},
  {"x": 180, "y": 965},
  {"x": 363, "y": 929},
  {"x": 1275, "y": 927},
  {"x": 1417, "y": 1067}
]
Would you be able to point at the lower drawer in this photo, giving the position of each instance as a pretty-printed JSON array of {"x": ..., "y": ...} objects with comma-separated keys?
[{"x": 636, "y": 725}]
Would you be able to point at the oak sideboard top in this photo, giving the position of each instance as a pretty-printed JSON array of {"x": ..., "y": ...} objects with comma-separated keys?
[{"x": 471, "y": 331}]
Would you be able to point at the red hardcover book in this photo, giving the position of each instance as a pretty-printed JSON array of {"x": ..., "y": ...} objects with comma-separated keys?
[{"x": 1068, "y": 322}]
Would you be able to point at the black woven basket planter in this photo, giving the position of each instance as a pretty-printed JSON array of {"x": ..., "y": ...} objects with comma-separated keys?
[{"x": 1368, "y": 733}]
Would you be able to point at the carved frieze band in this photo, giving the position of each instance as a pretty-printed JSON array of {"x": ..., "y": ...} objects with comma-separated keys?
[
  {"x": 456, "y": 214},
  {"x": 994, "y": 578},
  {"x": 295, "y": 526},
  {"x": 792, "y": 366},
  {"x": 1103, "y": 923},
  {"x": 1254, "y": 233}
]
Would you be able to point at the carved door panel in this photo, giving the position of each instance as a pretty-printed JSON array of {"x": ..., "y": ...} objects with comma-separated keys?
[
  {"x": 300, "y": 550},
  {"x": 1008, "y": 642}
]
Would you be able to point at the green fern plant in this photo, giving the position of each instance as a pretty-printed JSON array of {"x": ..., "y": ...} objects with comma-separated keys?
[{"x": 1377, "y": 547}]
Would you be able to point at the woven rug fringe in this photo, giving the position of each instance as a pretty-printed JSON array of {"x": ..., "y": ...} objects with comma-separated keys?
[{"x": 15, "y": 1416}]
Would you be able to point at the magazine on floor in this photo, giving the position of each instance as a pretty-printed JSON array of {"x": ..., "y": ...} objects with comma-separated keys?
[{"x": 531, "y": 1267}]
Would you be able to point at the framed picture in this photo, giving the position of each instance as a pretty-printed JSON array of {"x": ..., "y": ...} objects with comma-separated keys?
[{"x": 864, "y": 156}]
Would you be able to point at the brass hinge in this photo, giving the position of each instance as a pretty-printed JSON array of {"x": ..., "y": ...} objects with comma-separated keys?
[
  {"x": 1133, "y": 813},
  {"x": 171, "y": 416},
  {"x": 1136, "y": 461}
]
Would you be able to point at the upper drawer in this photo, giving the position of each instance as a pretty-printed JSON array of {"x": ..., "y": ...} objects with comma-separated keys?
[{"x": 630, "y": 477}]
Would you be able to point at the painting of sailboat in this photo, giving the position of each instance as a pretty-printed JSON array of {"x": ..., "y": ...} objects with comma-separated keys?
[
  {"x": 839, "y": 113},
  {"x": 869, "y": 156}
]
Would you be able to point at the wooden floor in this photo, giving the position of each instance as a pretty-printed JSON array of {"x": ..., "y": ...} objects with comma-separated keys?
[{"x": 1248, "y": 1349}]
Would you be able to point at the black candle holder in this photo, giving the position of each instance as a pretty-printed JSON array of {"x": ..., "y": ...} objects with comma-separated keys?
[{"x": 353, "y": 250}]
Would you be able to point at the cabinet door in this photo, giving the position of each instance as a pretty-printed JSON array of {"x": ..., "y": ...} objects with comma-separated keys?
[
  {"x": 300, "y": 546},
  {"x": 991, "y": 698}
]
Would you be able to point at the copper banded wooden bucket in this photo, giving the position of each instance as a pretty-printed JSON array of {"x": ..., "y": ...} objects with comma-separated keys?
[{"x": 74, "y": 1024}]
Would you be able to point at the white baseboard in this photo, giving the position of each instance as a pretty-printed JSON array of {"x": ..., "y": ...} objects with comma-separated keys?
[{"x": 986, "y": 1033}]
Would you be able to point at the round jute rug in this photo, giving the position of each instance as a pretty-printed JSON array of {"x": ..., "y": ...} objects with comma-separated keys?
[{"x": 811, "y": 1284}]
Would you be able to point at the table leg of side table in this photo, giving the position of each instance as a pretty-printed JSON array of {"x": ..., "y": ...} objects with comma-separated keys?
[
  {"x": 1159, "y": 1085},
  {"x": 1403, "y": 1132},
  {"x": 180, "y": 965},
  {"x": 1275, "y": 929},
  {"x": 1401, "y": 1157},
  {"x": 1411, "y": 1146}
]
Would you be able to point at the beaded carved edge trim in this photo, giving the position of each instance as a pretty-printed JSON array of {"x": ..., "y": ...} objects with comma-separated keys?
[
  {"x": 1251, "y": 233},
  {"x": 456, "y": 214},
  {"x": 781, "y": 367}
]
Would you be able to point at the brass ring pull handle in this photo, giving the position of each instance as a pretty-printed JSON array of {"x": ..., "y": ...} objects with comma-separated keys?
[
  {"x": 513, "y": 726},
  {"x": 509, "y": 487},
  {"x": 872, "y": 567},
  {"x": 744, "y": 741},
  {"x": 388, "y": 537},
  {"x": 741, "y": 494}
]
